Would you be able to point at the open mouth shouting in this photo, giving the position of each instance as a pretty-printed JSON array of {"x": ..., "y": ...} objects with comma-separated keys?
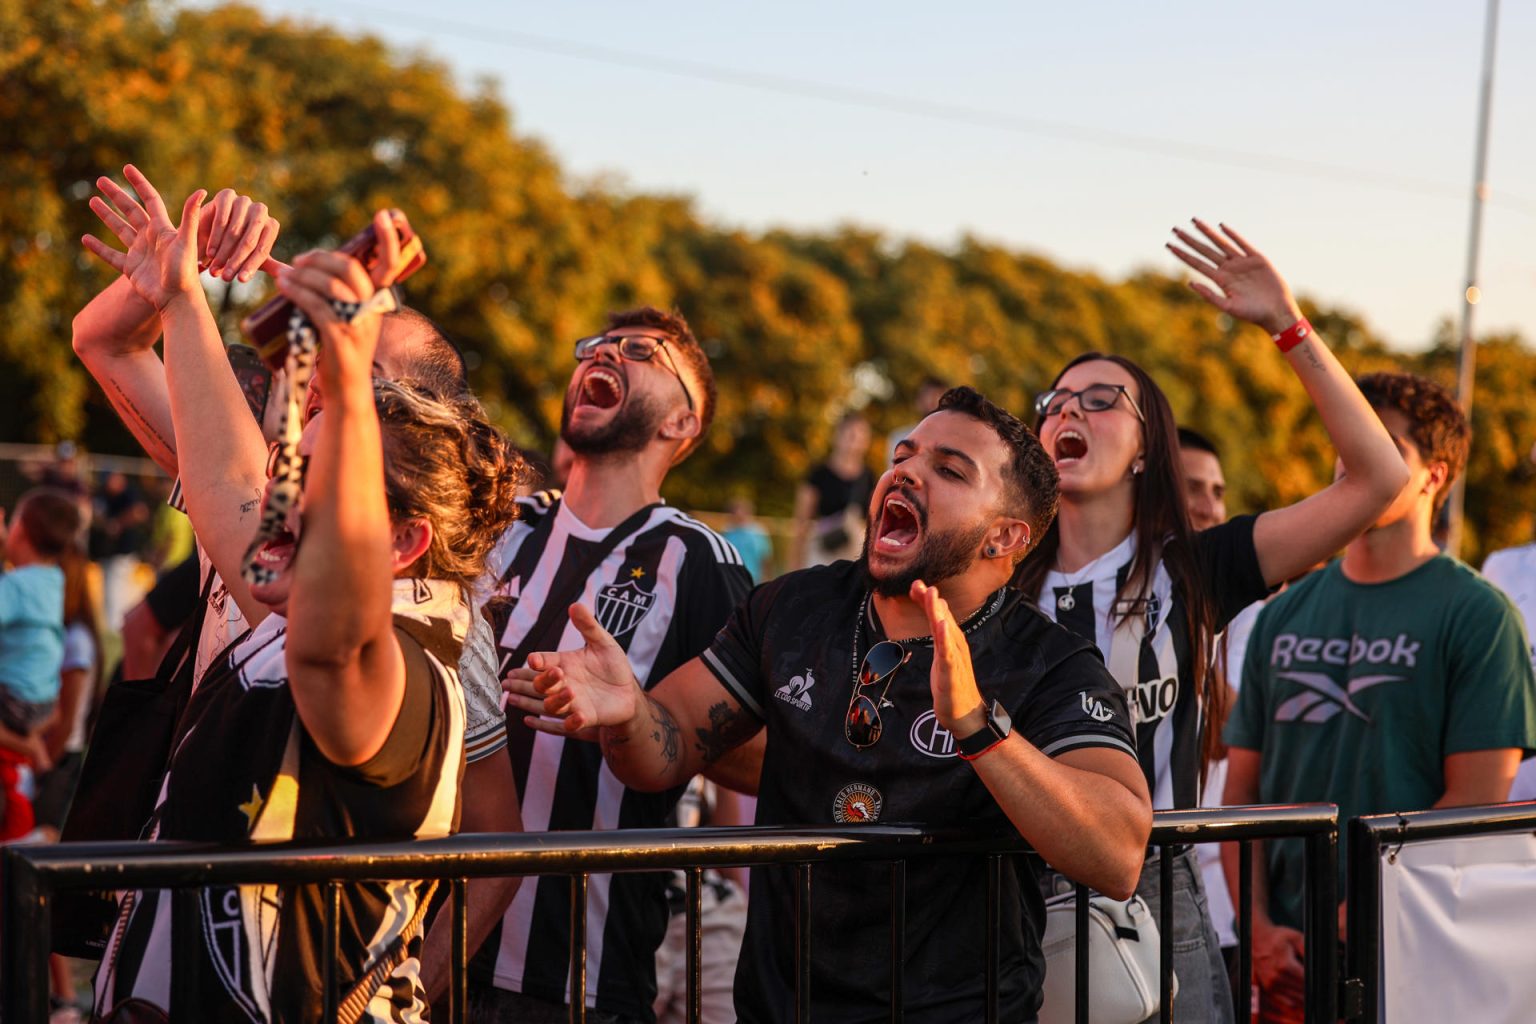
[
  {"x": 1070, "y": 447},
  {"x": 900, "y": 525},
  {"x": 602, "y": 387}
]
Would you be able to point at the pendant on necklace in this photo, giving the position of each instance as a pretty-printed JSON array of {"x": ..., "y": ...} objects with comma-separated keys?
[{"x": 1065, "y": 601}]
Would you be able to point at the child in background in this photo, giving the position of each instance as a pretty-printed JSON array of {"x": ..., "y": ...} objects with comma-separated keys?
[{"x": 44, "y": 527}]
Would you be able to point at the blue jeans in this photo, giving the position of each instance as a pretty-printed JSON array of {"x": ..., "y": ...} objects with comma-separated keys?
[{"x": 1205, "y": 995}]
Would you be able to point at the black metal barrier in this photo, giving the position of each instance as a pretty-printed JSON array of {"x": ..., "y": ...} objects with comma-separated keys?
[
  {"x": 34, "y": 873},
  {"x": 1368, "y": 837}
]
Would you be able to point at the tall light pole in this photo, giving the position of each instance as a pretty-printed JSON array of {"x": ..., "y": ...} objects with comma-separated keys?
[{"x": 1467, "y": 369}]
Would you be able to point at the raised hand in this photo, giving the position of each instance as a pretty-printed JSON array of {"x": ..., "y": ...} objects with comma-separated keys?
[
  {"x": 1251, "y": 288},
  {"x": 319, "y": 280},
  {"x": 235, "y": 237},
  {"x": 161, "y": 261},
  {"x": 952, "y": 678},
  {"x": 590, "y": 686}
]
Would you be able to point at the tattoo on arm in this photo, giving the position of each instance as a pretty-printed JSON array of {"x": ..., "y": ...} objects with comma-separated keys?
[
  {"x": 728, "y": 729},
  {"x": 666, "y": 731},
  {"x": 247, "y": 507},
  {"x": 1311, "y": 354},
  {"x": 125, "y": 406}
]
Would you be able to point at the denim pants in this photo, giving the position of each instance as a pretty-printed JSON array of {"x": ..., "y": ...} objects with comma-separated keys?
[{"x": 1205, "y": 995}]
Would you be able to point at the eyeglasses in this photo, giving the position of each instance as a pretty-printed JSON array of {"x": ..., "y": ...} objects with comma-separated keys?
[
  {"x": 1093, "y": 398},
  {"x": 637, "y": 348},
  {"x": 862, "y": 726},
  {"x": 274, "y": 452}
]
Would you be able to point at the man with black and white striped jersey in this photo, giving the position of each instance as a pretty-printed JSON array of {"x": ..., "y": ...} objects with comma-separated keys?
[{"x": 640, "y": 401}]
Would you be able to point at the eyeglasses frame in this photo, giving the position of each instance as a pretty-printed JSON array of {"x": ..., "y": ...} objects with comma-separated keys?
[{"x": 592, "y": 342}]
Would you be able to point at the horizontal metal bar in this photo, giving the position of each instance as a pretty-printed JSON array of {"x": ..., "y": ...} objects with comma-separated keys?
[
  {"x": 108, "y": 866},
  {"x": 1448, "y": 822}
]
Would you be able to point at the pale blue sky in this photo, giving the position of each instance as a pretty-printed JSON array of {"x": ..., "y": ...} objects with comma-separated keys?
[{"x": 1336, "y": 135}]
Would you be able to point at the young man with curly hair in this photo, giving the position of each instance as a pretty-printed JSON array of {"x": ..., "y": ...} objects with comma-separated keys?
[{"x": 1395, "y": 679}]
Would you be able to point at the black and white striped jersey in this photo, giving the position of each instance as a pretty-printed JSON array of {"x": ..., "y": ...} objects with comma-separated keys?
[
  {"x": 1159, "y": 682},
  {"x": 663, "y": 584},
  {"x": 245, "y": 770}
]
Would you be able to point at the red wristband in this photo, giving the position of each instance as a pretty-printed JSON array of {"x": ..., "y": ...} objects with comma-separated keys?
[
  {"x": 985, "y": 750},
  {"x": 1293, "y": 335}
]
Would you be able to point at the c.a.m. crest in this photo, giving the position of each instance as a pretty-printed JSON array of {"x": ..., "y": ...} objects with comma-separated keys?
[{"x": 621, "y": 606}]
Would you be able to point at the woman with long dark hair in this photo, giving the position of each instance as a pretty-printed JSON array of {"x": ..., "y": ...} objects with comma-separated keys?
[
  {"x": 339, "y": 713},
  {"x": 1123, "y": 567}
]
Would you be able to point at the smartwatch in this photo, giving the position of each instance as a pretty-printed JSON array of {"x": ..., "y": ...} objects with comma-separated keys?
[{"x": 998, "y": 726}]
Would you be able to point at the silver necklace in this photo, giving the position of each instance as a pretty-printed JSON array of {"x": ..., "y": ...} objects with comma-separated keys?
[
  {"x": 971, "y": 625},
  {"x": 1065, "y": 601}
]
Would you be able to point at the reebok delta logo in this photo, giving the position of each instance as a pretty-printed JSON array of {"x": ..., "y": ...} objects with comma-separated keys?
[
  {"x": 797, "y": 691},
  {"x": 1322, "y": 696}
]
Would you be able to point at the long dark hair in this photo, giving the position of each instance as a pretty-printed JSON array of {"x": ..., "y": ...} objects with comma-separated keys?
[{"x": 1160, "y": 522}]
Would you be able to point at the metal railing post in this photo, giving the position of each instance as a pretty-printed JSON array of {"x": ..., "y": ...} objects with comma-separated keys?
[
  {"x": 458, "y": 963},
  {"x": 1363, "y": 950},
  {"x": 802, "y": 944},
  {"x": 1081, "y": 993},
  {"x": 186, "y": 956},
  {"x": 695, "y": 948},
  {"x": 1322, "y": 927},
  {"x": 1242, "y": 998},
  {"x": 1165, "y": 934},
  {"x": 898, "y": 937},
  {"x": 26, "y": 941},
  {"x": 994, "y": 926},
  {"x": 578, "y": 1006}
]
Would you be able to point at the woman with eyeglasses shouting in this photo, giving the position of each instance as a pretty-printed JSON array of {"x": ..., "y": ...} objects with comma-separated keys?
[
  {"x": 339, "y": 714},
  {"x": 1123, "y": 567}
]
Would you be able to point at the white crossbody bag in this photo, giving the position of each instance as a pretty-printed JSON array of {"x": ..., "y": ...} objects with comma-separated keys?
[{"x": 1124, "y": 943}]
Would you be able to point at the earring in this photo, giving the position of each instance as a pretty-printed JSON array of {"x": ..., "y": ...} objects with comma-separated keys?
[{"x": 991, "y": 551}]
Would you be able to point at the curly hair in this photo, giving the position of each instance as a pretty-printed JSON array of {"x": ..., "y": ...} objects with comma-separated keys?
[
  {"x": 446, "y": 463},
  {"x": 1436, "y": 425}
]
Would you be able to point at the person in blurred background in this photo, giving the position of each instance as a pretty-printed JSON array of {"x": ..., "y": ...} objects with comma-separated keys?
[
  {"x": 1205, "y": 488},
  {"x": 749, "y": 539},
  {"x": 831, "y": 505}
]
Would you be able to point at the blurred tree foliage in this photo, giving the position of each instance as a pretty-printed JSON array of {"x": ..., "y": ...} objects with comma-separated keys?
[{"x": 325, "y": 128}]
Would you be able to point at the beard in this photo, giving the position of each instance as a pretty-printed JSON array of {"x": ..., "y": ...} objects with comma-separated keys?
[
  {"x": 630, "y": 430},
  {"x": 944, "y": 554}
]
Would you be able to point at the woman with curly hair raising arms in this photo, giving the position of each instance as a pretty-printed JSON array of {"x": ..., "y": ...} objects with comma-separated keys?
[{"x": 339, "y": 713}]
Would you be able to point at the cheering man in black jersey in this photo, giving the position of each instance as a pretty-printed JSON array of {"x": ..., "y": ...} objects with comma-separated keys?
[
  {"x": 662, "y": 585},
  {"x": 887, "y": 698}
]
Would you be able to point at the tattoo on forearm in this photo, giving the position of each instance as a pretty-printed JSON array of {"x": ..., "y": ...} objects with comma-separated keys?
[
  {"x": 728, "y": 728},
  {"x": 1311, "y": 354},
  {"x": 247, "y": 507},
  {"x": 666, "y": 731},
  {"x": 126, "y": 407}
]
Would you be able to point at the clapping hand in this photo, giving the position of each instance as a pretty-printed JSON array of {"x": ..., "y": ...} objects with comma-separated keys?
[
  {"x": 592, "y": 685},
  {"x": 1251, "y": 288}
]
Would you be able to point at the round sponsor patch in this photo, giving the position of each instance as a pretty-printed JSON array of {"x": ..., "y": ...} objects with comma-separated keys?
[{"x": 856, "y": 803}]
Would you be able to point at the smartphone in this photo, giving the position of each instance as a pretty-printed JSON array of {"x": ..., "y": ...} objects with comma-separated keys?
[
  {"x": 267, "y": 328},
  {"x": 254, "y": 375}
]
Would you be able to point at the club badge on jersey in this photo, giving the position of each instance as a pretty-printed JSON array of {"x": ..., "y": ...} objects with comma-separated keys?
[
  {"x": 857, "y": 803},
  {"x": 621, "y": 606}
]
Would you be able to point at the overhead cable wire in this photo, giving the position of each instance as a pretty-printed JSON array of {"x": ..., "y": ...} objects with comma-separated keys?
[{"x": 954, "y": 113}]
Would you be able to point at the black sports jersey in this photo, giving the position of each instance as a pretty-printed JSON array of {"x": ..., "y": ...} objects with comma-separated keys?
[
  {"x": 788, "y": 656},
  {"x": 245, "y": 769},
  {"x": 1162, "y": 693},
  {"x": 662, "y": 584}
]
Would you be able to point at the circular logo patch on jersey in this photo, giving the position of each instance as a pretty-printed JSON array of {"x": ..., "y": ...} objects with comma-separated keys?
[{"x": 857, "y": 803}]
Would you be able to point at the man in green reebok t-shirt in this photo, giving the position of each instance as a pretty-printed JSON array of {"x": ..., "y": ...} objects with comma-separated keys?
[{"x": 1394, "y": 679}]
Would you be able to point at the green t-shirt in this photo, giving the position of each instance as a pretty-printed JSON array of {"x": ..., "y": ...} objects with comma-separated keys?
[{"x": 1355, "y": 693}]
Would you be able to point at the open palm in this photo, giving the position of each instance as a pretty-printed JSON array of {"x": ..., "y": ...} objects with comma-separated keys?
[
  {"x": 591, "y": 685},
  {"x": 1250, "y": 288},
  {"x": 161, "y": 261}
]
